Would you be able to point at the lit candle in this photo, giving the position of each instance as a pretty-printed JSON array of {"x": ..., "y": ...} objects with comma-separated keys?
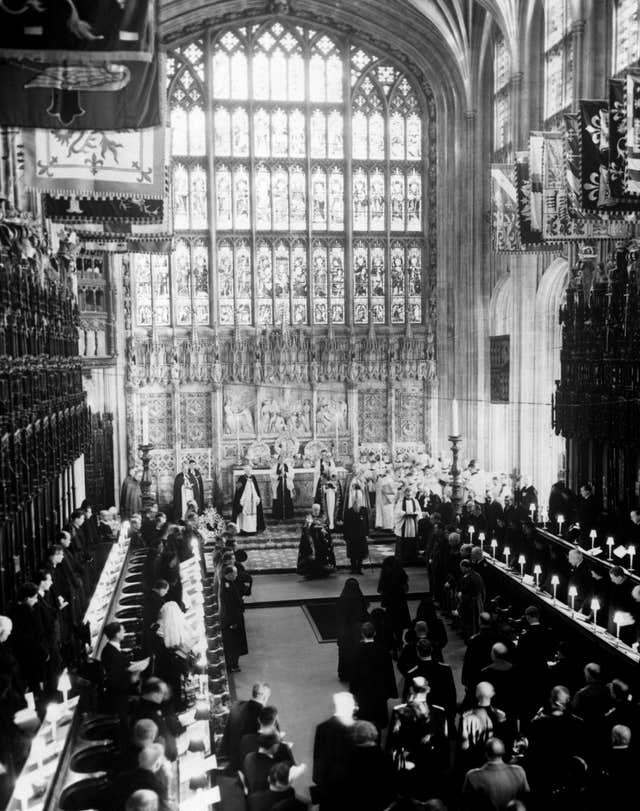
[
  {"x": 481, "y": 537},
  {"x": 532, "y": 510},
  {"x": 573, "y": 593},
  {"x": 537, "y": 571},
  {"x": 472, "y": 529},
  {"x": 617, "y": 618},
  {"x": 522, "y": 560},
  {"x": 455, "y": 426},
  {"x": 494, "y": 546},
  {"x": 64, "y": 685},
  {"x": 610, "y": 543},
  {"x": 560, "y": 523},
  {"x": 631, "y": 551},
  {"x": 145, "y": 424},
  {"x": 506, "y": 552},
  {"x": 555, "y": 582},
  {"x": 595, "y": 607},
  {"x": 593, "y": 535}
]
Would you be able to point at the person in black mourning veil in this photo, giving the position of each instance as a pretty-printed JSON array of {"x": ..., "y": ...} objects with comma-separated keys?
[
  {"x": 351, "y": 612},
  {"x": 234, "y": 637},
  {"x": 248, "y": 512},
  {"x": 393, "y": 586},
  {"x": 356, "y": 529},
  {"x": 283, "y": 490},
  {"x": 315, "y": 552}
]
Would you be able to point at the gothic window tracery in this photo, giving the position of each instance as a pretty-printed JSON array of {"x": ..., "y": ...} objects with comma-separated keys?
[
  {"x": 626, "y": 34},
  {"x": 305, "y": 196},
  {"x": 558, "y": 58}
]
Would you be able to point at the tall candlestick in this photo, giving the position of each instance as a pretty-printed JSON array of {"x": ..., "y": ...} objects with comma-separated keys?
[
  {"x": 555, "y": 582},
  {"x": 573, "y": 593},
  {"x": 455, "y": 425}
]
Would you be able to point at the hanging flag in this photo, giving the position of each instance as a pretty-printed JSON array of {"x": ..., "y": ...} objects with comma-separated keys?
[
  {"x": 135, "y": 210},
  {"x": 504, "y": 208},
  {"x": 69, "y": 163},
  {"x": 56, "y": 31},
  {"x": 536, "y": 147},
  {"x": 572, "y": 164},
  {"x": 111, "y": 95},
  {"x": 632, "y": 176},
  {"x": 590, "y": 155},
  {"x": 528, "y": 237},
  {"x": 617, "y": 137},
  {"x": 557, "y": 222}
]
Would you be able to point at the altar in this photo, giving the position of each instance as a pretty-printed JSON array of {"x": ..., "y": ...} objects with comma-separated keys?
[{"x": 302, "y": 480}]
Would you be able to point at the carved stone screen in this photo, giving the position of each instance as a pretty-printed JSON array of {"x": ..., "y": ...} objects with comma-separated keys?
[{"x": 499, "y": 355}]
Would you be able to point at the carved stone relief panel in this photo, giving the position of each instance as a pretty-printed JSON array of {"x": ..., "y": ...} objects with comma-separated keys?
[
  {"x": 162, "y": 467},
  {"x": 160, "y": 409},
  {"x": 331, "y": 413},
  {"x": 239, "y": 410},
  {"x": 372, "y": 416},
  {"x": 284, "y": 411},
  {"x": 410, "y": 407},
  {"x": 195, "y": 419}
]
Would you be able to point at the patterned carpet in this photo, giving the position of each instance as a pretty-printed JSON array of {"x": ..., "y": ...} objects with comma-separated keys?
[{"x": 285, "y": 558}]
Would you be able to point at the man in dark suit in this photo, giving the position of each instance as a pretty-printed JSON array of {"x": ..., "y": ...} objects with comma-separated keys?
[
  {"x": 536, "y": 647},
  {"x": 331, "y": 747},
  {"x": 153, "y": 705},
  {"x": 279, "y": 796},
  {"x": 267, "y": 725},
  {"x": 373, "y": 681},
  {"x": 243, "y": 720},
  {"x": 439, "y": 676},
  {"x": 256, "y": 765},
  {"x": 117, "y": 677}
]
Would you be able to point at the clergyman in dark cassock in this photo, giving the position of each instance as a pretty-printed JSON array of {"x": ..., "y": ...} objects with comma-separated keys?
[
  {"x": 248, "y": 512},
  {"x": 184, "y": 492},
  {"x": 355, "y": 531},
  {"x": 198, "y": 493},
  {"x": 130, "y": 495},
  {"x": 316, "y": 557},
  {"x": 406, "y": 527}
]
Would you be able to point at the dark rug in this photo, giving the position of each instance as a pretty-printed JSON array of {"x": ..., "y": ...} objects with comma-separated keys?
[{"x": 323, "y": 620}]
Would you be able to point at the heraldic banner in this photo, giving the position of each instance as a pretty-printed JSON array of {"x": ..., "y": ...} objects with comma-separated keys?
[
  {"x": 82, "y": 30},
  {"x": 112, "y": 95},
  {"x": 103, "y": 209},
  {"x": 96, "y": 162},
  {"x": 504, "y": 208}
]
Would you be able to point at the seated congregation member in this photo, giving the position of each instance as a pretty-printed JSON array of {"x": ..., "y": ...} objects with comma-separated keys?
[
  {"x": 267, "y": 725},
  {"x": 418, "y": 742},
  {"x": 351, "y": 612},
  {"x": 331, "y": 746},
  {"x": 174, "y": 639},
  {"x": 373, "y": 681},
  {"x": 143, "y": 733},
  {"x": 144, "y": 800},
  {"x": 105, "y": 529},
  {"x": 279, "y": 794},
  {"x": 619, "y": 601},
  {"x": 496, "y": 784},
  {"x": 243, "y": 720},
  {"x": 154, "y": 704},
  {"x": 134, "y": 532},
  {"x": 234, "y": 637},
  {"x": 316, "y": 557}
]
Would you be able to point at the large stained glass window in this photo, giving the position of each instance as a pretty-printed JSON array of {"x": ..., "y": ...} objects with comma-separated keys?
[
  {"x": 501, "y": 107},
  {"x": 306, "y": 200},
  {"x": 558, "y": 69},
  {"x": 626, "y": 34}
]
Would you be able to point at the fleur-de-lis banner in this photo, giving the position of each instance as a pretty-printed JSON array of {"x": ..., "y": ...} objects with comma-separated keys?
[
  {"x": 557, "y": 222},
  {"x": 109, "y": 95},
  {"x": 590, "y": 154},
  {"x": 82, "y": 30},
  {"x": 617, "y": 137},
  {"x": 106, "y": 163},
  {"x": 632, "y": 175},
  {"x": 504, "y": 208}
]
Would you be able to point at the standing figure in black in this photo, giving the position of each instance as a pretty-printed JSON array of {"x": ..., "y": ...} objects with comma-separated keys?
[
  {"x": 356, "y": 530},
  {"x": 234, "y": 637},
  {"x": 282, "y": 489}
]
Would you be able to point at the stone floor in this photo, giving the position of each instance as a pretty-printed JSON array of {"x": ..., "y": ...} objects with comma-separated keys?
[{"x": 286, "y": 557}]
